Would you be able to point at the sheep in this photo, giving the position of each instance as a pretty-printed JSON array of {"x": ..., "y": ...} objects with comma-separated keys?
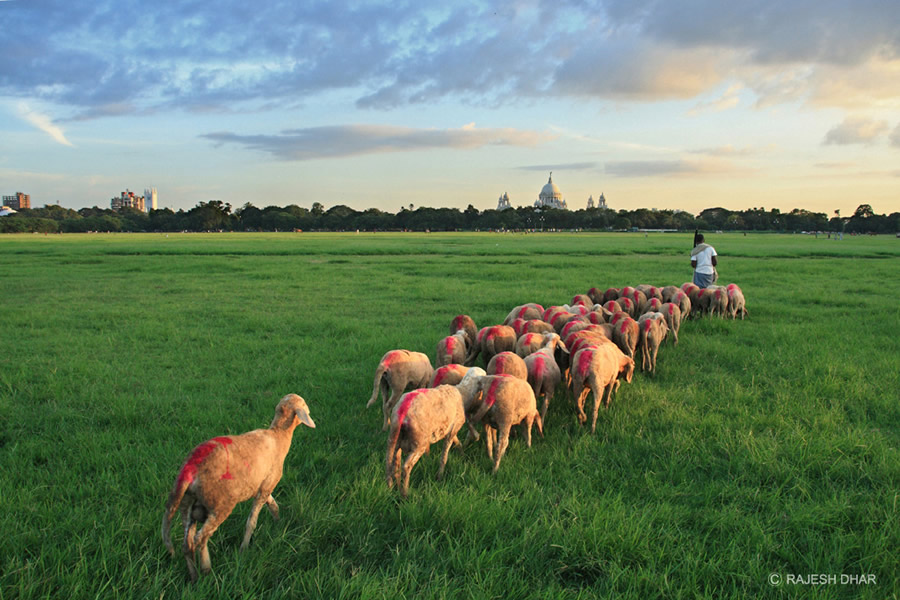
[
  {"x": 714, "y": 300},
  {"x": 669, "y": 292},
  {"x": 684, "y": 303},
  {"x": 582, "y": 300},
  {"x": 652, "y": 305},
  {"x": 597, "y": 369},
  {"x": 596, "y": 295},
  {"x": 465, "y": 323},
  {"x": 599, "y": 315},
  {"x": 640, "y": 302},
  {"x": 509, "y": 363},
  {"x": 448, "y": 375},
  {"x": 226, "y": 470},
  {"x": 651, "y": 291},
  {"x": 525, "y": 311},
  {"x": 423, "y": 417},
  {"x": 397, "y": 371},
  {"x": 574, "y": 325},
  {"x": 538, "y": 326},
  {"x": 653, "y": 330},
  {"x": 627, "y": 304},
  {"x": 543, "y": 371},
  {"x": 611, "y": 294},
  {"x": 451, "y": 349},
  {"x": 492, "y": 340},
  {"x": 505, "y": 401},
  {"x": 625, "y": 335},
  {"x": 736, "y": 302},
  {"x": 612, "y": 306},
  {"x": 528, "y": 343},
  {"x": 672, "y": 314}
]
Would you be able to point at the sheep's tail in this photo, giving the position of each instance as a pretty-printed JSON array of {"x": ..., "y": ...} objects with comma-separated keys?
[
  {"x": 175, "y": 498},
  {"x": 379, "y": 373}
]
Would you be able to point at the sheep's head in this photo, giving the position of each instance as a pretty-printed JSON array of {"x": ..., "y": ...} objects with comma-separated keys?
[
  {"x": 626, "y": 368},
  {"x": 469, "y": 387},
  {"x": 289, "y": 407}
]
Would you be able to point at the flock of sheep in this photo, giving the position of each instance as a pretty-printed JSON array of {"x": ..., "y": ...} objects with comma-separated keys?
[{"x": 589, "y": 345}]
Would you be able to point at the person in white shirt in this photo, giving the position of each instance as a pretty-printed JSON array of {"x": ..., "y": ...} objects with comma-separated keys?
[{"x": 703, "y": 261}]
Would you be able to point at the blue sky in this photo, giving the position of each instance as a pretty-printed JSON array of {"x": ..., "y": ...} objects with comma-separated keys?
[{"x": 661, "y": 104}]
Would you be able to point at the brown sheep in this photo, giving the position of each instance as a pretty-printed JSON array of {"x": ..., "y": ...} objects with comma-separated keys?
[
  {"x": 505, "y": 401},
  {"x": 452, "y": 349},
  {"x": 582, "y": 300},
  {"x": 528, "y": 343},
  {"x": 625, "y": 335},
  {"x": 652, "y": 305},
  {"x": 684, "y": 303},
  {"x": 611, "y": 294},
  {"x": 226, "y": 470},
  {"x": 736, "y": 302},
  {"x": 543, "y": 371},
  {"x": 465, "y": 323},
  {"x": 653, "y": 330},
  {"x": 423, "y": 417},
  {"x": 651, "y": 291},
  {"x": 596, "y": 295},
  {"x": 492, "y": 340},
  {"x": 714, "y": 300},
  {"x": 448, "y": 375},
  {"x": 525, "y": 311},
  {"x": 672, "y": 314},
  {"x": 538, "y": 326},
  {"x": 398, "y": 371},
  {"x": 669, "y": 292},
  {"x": 508, "y": 363},
  {"x": 597, "y": 369}
]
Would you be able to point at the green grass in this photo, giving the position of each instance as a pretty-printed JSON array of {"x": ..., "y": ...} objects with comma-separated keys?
[{"x": 763, "y": 446}]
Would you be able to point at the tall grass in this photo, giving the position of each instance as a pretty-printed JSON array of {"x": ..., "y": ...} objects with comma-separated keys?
[{"x": 763, "y": 446}]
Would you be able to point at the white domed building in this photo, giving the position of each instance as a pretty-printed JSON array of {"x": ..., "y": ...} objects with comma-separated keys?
[{"x": 550, "y": 196}]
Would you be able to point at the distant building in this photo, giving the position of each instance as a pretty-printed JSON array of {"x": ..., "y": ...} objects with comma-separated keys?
[
  {"x": 151, "y": 199},
  {"x": 550, "y": 196},
  {"x": 17, "y": 202},
  {"x": 127, "y": 199},
  {"x": 601, "y": 202},
  {"x": 503, "y": 202}
]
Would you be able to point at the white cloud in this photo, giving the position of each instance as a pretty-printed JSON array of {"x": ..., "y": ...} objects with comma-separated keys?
[{"x": 43, "y": 123}]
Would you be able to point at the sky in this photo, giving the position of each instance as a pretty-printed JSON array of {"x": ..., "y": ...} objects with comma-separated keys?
[{"x": 663, "y": 104}]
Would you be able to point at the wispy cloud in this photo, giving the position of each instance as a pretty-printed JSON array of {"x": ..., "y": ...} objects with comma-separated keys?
[
  {"x": 729, "y": 99},
  {"x": 855, "y": 130},
  {"x": 669, "y": 168},
  {"x": 354, "y": 140},
  {"x": 43, "y": 123},
  {"x": 895, "y": 137},
  {"x": 576, "y": 166}
]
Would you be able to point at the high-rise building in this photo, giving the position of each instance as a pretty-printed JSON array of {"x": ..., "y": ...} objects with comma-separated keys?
[
  {"x": 127, "y": 199},
  {"x": 17, "y": 202},
  {"x": 151, "y": 199}
]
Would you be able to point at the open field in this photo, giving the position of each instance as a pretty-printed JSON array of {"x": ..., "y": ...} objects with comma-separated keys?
[{"x": 768, "y": 446}]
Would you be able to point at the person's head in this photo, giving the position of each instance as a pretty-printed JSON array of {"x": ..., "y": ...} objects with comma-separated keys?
[{"x": 700, "y": 238}]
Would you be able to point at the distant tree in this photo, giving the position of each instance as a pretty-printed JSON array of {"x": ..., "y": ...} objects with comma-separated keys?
[
  {"x": 317, "y": 209},
  {"x": 863, "y": 211}
]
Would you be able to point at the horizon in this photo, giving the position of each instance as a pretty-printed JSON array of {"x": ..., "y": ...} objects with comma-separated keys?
[{"x": 373, "y": 105}]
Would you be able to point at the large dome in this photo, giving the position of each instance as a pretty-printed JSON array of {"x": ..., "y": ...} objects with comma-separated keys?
[{"x": 550, "y": 190}]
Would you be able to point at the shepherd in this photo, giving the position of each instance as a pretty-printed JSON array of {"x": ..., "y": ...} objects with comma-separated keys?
[{"x": 703, "y": 261}]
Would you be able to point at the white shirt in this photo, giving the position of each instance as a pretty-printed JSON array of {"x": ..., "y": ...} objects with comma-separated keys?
[{"x": 704, "y": 261}]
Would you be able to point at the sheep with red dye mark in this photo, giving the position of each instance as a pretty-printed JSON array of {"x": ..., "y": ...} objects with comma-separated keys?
[
  {"x": 627, "y": 304},
  {"x": 226, "y": 470},
  {"x": 574, "y": 325},
  {"x": 448, "y": 375},
  {"x": 640, "y": 302},
  {"x": 524, "y": 311},
  {"x": 736, "y": 302},
  {"x": 652, "y": 305},
  {"x": 492, "y": 340},
  {"x": 538, "y": 326},
  {"x": 529, "y": 343},
  {"x": 508, "y": 363},
  {"x": 597, "y": 369},
  {"x": 582, "y": 300},
  {"x": 504, "y": 401},
  {"x": 452, "y": 349},
  {"x": 653, "y": 331},
  {"x": 611, "y": 294},
  {"x": 668, "y": 293},
  {"x": 465, "y": 323},
  {"x": 596, "y": 295},
  {"x": 683, "y": 302},
  {"x": 714, "y": 300},
  {"x": 398, "y": 371},
  {"x": 626, "y": 334},
  {"x": 672, "y": 313},
  {"x": 423, "y": 417},
  {"x": 543, "y": 371},
  {"x": 651, "y": 291}
]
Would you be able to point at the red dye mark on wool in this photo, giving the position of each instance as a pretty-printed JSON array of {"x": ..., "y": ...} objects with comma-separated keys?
[
  {"x": 671, "y": 309},
  {"x": 539, "y": 366},
  {"x": 405, "y": 405},
  {"x": 647, "y": 325},
  {"x": 449, "y": 342},
  {"x": 491, "y": 396},
  {"x": 624, "y": 326},
  {"x": 200, "y": 454},
  {"x": 584, "y": 362}
]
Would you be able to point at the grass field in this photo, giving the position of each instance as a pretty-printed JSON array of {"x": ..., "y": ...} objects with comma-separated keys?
[{"x": 762, "y": 450}]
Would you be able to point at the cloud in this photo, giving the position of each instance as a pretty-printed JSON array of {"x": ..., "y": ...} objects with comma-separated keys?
[
  {"x": 855, "y": 130},
  {"x": 729, "y": 99},
  {"x": 576, "y": 166},
  {"x": 354, "y": 140},
  {"x": 43, "y": 123},
  {"x": 895, "y": 137},
  {"x": 668, "y": 168}
]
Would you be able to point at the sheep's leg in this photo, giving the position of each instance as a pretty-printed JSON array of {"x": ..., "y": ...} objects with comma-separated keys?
[
  {"x": 653, "y": 360},
  {"x": 388, "y": 406},
  {"x": 489, "y": 440},
  {"x": 187, "y": 546},
  {"x": 601, "y": 397},
  {"x": 213, "y": 520},
  {"x": 272, "y": 506},
  {"x": 448, "y": 443},
  {"x": 251, "y": 520},
  {"x": 526, "y": 426},
  {"x": 408, "y": 465},
  {"x": 500, "y": 450}
]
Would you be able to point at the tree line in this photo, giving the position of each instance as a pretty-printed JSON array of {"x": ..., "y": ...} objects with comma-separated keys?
[{"x": 216, "y": 215}]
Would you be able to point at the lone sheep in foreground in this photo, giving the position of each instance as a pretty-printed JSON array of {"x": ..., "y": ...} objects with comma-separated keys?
[{"x": 226, "y": 470}]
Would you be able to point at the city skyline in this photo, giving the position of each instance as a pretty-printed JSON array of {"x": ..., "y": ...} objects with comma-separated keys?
[{"x": 783, "y": 105}]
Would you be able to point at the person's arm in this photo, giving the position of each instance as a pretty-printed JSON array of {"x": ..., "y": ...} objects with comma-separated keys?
[
  {"x": 714, "y": 261},
  {"x": 693, "y": 263}
]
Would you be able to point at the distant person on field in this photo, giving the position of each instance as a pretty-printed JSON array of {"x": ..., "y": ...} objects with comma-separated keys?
[{"x": 703, "y": 261}]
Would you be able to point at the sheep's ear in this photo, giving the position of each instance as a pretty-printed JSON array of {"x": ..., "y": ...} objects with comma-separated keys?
[{"x": 305, "y": 418}]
